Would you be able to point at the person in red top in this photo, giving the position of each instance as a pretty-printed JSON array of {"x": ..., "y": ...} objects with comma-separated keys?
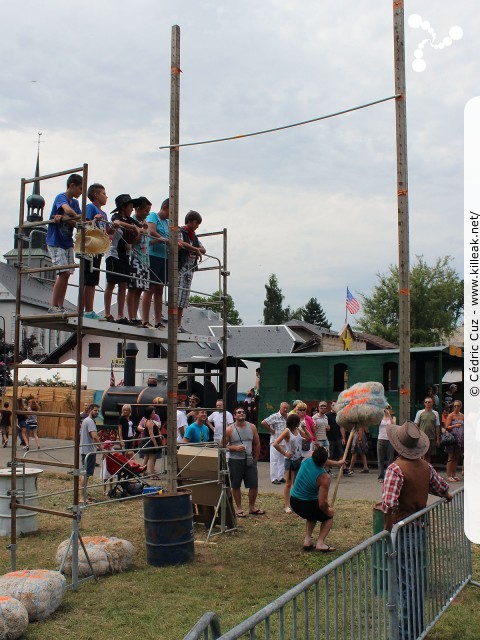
[{"x": 408, "y": 481}]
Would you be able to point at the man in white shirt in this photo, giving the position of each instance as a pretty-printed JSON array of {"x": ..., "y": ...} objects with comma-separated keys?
[
  {"x": 275, "y": 425},
  {"x": 215, "y": 422},
  {"x": 182, "y": 424}
]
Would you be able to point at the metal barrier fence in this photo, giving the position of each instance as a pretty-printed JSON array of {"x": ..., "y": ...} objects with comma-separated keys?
[{"x": 393, "y": 586}]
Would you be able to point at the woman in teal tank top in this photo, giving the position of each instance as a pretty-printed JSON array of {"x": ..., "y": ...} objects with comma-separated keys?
[{"x": 309, "y": 498}]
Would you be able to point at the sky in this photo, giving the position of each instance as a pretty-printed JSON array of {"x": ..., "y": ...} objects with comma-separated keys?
[{"x": 316, "y": 204}]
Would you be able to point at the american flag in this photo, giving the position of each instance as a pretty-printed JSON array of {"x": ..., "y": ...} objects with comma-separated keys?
[
  {"x": 112, "y": 376},
  {"x": 353, "y": 305}
]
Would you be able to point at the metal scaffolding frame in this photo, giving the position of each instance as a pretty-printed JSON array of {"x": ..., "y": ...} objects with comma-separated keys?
[{"x": 75, "y": 323}]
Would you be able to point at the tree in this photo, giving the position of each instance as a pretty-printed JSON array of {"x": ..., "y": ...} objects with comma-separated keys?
[
  {"x": 273, "y": 312},
  {"x": 233, "y": 317},
  {"x": 314, "y": 314},
  {"x": 28, "y": 349},
  {"x": 436, "y": 303}
]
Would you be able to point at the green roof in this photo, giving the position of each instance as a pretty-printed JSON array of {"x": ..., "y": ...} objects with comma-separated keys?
[{"x": 329, "y": 354}]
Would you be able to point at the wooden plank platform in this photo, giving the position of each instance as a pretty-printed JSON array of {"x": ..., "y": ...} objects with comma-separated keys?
[{"x": 69, "y": 322}]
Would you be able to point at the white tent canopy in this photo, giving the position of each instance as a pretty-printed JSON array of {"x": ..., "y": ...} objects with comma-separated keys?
[{"x": 68, "y": 376}]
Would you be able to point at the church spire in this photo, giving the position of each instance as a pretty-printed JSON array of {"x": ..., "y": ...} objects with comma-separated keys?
[{"x": 36, "y": 202}]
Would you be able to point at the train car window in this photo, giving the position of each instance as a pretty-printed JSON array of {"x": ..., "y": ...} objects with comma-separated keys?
[
  {"x": 94, "y": 350},
  {"x": 153, "y": 350},
  {"x": 293, "y": 378},
  {"x": 390, "y": 376},
  {"x": 340, "y": 377}
]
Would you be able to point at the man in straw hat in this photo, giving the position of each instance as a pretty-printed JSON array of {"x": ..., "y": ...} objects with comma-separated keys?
[{"x": 408, "y": 481}]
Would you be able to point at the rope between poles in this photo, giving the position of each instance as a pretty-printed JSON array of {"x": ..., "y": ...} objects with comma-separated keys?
[{"x": 287, "y": 126}]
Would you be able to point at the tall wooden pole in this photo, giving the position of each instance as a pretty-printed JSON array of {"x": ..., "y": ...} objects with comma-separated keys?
[
  {"x": 172, "y": 357},
  {"x": 402, "y": 199}
]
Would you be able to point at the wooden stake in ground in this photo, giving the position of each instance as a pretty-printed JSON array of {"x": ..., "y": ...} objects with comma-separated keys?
[{"x": 339, "y": 477}]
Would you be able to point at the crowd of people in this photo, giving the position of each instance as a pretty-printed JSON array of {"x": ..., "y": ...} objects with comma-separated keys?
[{"x": 134, "y": 243}]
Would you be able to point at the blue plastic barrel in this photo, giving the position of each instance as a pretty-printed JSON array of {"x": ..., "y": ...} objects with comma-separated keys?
[{"x": 169, "y": 528}]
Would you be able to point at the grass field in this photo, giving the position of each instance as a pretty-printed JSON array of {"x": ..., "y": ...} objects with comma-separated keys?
[{"x": 235, "y": 576}]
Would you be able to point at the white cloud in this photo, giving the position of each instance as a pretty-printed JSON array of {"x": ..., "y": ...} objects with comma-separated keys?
[{"x": 316, "y": 205}]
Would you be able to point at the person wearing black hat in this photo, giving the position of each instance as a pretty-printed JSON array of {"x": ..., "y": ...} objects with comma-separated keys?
[
  {"x": 139, "y": 260},
  {"x": 408, "y": 481},
  {"x": 125, "y": 233}
]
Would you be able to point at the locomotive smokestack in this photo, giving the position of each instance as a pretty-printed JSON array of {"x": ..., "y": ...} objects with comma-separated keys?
[{"x": 131, "y": 351}]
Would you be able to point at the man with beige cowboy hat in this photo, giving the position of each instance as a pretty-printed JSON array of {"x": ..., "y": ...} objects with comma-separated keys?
[{"x": 408, "y": 481}]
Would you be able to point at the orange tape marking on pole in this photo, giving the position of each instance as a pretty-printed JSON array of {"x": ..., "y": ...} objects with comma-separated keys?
[
  {"x": 404, "y": 392},
  {"x": 402, "y": 192},
  {"x": 176, "y": 71},
  {"x": 404, "y": 292}
]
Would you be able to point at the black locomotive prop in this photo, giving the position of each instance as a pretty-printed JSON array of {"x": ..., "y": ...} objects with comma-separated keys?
[{"x": 155, "y": 393}]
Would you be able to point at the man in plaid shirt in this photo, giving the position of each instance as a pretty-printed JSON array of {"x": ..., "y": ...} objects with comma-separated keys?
[
  {"x": 275, "y": 425},
  {"x": 408, "y": 481}
]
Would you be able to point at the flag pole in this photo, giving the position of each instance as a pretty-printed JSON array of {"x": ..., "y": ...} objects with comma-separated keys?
[{"x": 346, "y": 309}]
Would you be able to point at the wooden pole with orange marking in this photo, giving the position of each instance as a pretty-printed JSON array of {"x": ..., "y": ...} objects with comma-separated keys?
[{"x": 339, "y": 477}]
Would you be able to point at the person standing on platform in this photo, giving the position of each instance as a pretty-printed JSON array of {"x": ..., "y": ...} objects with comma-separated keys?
[
  {"x": 276, "y": 424},
  {"x": 125, "y": 233},
  {"x": 60, "y": 238},
  {"x": 158, "y": 233},
  {"x": 139, "y": 260},
  {"x": 91, "y": 273},
  {"x": 190, "y": 252}
]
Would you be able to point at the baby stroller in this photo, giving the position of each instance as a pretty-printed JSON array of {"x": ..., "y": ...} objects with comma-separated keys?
[{"x": 127, "y": 473}]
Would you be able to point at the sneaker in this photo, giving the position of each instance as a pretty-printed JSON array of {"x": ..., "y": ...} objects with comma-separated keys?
[
  {"x": 147, "y": 325},
  {"x": 349, "y": 473},
  {"x": 63, "y": 310},
  {"x": 53, "y": 310},
  {"x": 91, "y": 315},
  {"x": 135, "y": 322},
  {"x": 276, "y": 482},
  {"x": 160, "y": 325},
  {"x": 182, "y": 330},
  {"x": 283, "y": 481},
  {"x": 124, "y": 321}
]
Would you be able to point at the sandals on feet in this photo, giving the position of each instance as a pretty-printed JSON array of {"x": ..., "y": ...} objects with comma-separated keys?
[
  {"x": 257, "y": 512},
  {"x": 240, "y": 513},
  {"x": 328, "y": 549}
]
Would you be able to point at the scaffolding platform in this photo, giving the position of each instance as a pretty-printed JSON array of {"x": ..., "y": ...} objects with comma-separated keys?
[{"x": 68, "y": 322}]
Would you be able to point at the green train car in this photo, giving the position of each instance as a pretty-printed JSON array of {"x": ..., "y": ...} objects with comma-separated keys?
[{"x": 322, "y": 376}]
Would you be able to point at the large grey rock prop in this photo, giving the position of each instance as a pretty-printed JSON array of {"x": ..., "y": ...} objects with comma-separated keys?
[
  {"x": 13, "y": 618},
  {"x": 361, "y": 404},
  {"x": 40, "y": 591},
  {"x": 107, "y": 555}
]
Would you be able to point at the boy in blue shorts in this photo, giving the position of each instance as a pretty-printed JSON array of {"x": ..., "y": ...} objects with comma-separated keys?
[{"x": 60, "y": 238}]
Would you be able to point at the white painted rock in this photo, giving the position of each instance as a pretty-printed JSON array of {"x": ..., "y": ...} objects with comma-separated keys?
[
  {"x": 39, "y": 590},
  {"x": 13, "y": 618},
  {"x": 361, "y": 404},
  {"x": 107, "y": 555}
]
